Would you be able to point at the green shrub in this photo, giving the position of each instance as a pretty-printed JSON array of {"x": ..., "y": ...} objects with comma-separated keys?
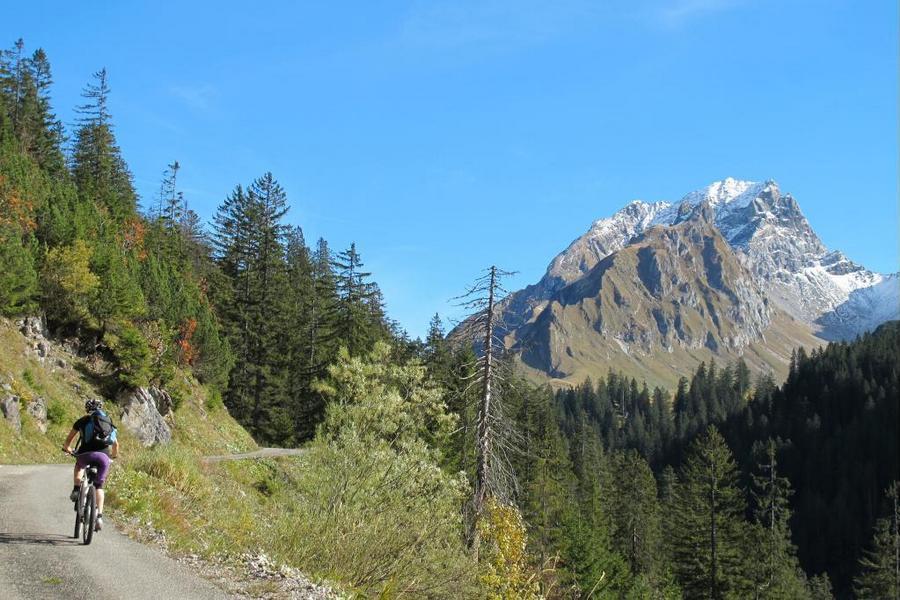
[
  {"x": 213, "y": 399},
  {"x": 56, "y": 412},
  {"x": 373, "y": 509}
]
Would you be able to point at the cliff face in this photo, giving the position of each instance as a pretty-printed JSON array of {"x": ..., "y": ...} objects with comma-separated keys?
[{"x": 674, "y": 291}]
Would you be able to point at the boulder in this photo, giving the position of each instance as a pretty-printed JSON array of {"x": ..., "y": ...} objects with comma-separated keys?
[
  {"x": 37, "y": 408},
  {"x": 43, "y": 348},
  {"x": 142, "y": 418},
  {"x": 162, "y": 399},
  {"x": 9, "y": 406},
  {"x": 33, "y": 327}
]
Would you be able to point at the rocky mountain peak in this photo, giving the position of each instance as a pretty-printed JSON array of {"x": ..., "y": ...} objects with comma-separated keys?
[
  {"x": 746, "y": 243},
  {"x": 675, "y": 290}
]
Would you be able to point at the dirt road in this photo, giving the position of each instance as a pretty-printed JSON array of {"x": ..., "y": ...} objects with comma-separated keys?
[{"x": 40, "y": 559}]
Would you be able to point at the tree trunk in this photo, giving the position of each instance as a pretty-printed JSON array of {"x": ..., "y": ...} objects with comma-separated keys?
[{"x": 483, "y": 467}]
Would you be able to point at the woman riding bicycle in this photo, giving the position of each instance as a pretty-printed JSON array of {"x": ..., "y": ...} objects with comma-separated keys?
[{"x": 95, "y": 447}]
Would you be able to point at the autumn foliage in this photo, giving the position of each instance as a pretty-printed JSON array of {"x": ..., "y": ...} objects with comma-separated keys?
[{"x": 187, "y": 351}]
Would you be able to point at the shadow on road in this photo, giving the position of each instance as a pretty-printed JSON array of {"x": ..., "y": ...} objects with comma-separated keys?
[{"x": 41, "y": 539}]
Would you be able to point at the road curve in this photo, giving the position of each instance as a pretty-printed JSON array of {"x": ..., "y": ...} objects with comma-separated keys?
[
  {"x": 261, "y": 453},
  {"x": 40, "y": 559}
]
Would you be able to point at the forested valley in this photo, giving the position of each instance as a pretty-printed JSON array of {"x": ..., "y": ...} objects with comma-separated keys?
[{"x": 731, "y": 486}]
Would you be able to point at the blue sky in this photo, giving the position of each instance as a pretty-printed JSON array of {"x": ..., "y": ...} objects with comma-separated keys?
[{"x": 443, "y": 136}]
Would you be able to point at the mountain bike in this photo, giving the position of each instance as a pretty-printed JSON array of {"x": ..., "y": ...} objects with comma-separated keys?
[{"x": 86, "y": 505}]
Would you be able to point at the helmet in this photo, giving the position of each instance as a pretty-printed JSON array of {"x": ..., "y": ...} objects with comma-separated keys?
[{"x": 92, "y": 405}]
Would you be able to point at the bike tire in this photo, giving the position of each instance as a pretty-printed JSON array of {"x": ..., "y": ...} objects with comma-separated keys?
[
  {"x": 89, "y": 517},
  {"x": 79, "y": 504}
]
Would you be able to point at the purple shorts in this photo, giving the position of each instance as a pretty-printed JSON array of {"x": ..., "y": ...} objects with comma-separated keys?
[{"x": 96, "y": 459}]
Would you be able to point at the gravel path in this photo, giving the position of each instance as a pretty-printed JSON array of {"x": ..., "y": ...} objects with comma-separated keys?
[
  {"x": 39, "y": 559},
  {"x": 261, "y": 453}
]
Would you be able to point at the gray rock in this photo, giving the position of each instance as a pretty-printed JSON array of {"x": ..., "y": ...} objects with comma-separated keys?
[
  {"x": 37, "y": 408},
  {"x": 162, "y": 399},
  {"x": 43, "y": 348},
  {"x": 9, "y": 406},
  {"x": 61, "y": 363},
  {"x": 33, "y": 327},
  {"x": 142, "y": 418}
]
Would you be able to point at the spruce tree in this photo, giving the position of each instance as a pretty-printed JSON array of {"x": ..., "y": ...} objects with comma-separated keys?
[
  {"x": 98, "y": 168},
  {"x": 707, "y": 522},
  {"x": 18, "y": 278},
  {"x": 299, "y": 307},
  {"x": 880, "y": 564},
  {"x": 47, "y": 129},
  {"x": 360, "y": 313},
  {"x": 249, "y": 246},
  {"x": 635, "y": 512},
  {"x": 773, "y": 562}
]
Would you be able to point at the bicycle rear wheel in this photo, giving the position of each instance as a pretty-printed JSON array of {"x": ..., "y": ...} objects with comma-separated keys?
[{"x": 89, "y": 516}]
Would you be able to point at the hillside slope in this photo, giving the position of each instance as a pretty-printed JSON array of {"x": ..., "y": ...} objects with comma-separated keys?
[{"x": 216, "y": 516}]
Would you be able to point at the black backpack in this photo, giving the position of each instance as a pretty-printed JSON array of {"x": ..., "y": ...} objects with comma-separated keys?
[{"x": 99, "y": 431}]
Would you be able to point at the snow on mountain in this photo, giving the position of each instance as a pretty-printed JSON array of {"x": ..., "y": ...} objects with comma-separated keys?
[{"x": 803, "y": 277}]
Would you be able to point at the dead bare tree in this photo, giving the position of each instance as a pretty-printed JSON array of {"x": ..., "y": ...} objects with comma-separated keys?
[{"x": 495, "y": 433}]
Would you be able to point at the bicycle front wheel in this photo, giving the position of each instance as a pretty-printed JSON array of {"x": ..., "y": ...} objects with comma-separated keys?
[{"x": 89, "y": 516}]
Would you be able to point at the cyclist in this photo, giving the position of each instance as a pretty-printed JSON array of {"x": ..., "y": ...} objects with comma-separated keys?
[{"x": 95, "y": 448}]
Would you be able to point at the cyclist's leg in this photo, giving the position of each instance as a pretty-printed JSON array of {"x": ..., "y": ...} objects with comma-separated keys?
[
  {"x": 101, "y": 461},
  {"x": 81, "y": 462}
]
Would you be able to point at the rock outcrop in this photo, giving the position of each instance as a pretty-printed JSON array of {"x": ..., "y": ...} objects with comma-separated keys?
[
  {"x": 9, "y": 406},
  {"x": 162, "y": 400},
  {"x": 33, "y": 328},
  {"x": 141, "y": 416},
  {"x": 37, "y": 408}
]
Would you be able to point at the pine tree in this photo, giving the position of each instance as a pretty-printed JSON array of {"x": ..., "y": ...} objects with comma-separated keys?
[
  {"x": 880, "y": 565},
  {"x": 13, "y": 70},
  {"x": 549, "y": 485},
  {"x": 587, "y": 548},
  {"x": 47, "y": 128},
  {"x": 635, "y": 512},
  {"x": 119, "y": 297},
  {"x": 707, "y": 522},
  {"x": 437, "y": 350},
  {"x": 360, "y": 313},
  {"x": 300, "y": 303},
  {"x": 773, "y": 563},
  {"x": 18, "y": 278},
  {"x": 249, "y": 247},
  {"x": 98, "y": 168}
]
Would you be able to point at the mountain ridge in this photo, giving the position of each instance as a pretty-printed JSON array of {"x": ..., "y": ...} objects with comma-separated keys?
[{"x": 819, "y": 293}]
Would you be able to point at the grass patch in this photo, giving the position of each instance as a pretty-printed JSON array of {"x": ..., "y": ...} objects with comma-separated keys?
[{"x": 28, "y": 377}]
